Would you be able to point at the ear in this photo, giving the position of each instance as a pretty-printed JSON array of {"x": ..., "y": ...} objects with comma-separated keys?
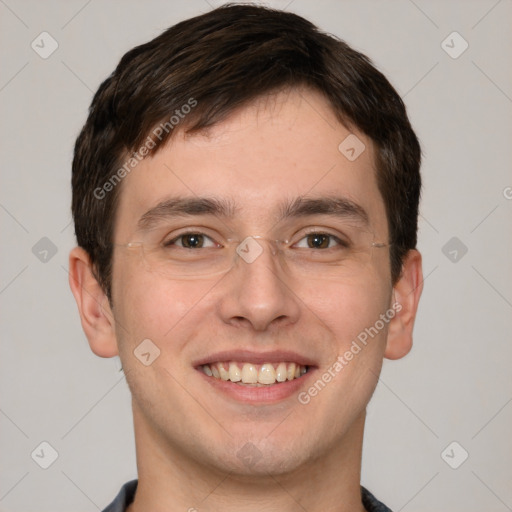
[
  {"x": 406, "y": 296},
  {"x": 95, "y": 312}
]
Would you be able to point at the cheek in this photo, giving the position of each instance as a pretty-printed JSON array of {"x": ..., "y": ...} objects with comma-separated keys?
[
  {"x": 346, "y": 382},
  {"x": 149, "y": 306},
  {"x": 347, "y": 308}
]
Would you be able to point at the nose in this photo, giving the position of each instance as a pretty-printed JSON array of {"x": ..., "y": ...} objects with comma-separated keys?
[{"x": 256, "y": 291}]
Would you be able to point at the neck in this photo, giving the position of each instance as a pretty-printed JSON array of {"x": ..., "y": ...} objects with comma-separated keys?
[{"x": 170, "y": 481}]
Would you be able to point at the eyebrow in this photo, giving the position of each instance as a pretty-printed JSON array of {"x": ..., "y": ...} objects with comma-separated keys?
[
  {"x": 335, "y": 206},
  {"x": 181, "y": 206},
  {"x": 298, "y": 207}
]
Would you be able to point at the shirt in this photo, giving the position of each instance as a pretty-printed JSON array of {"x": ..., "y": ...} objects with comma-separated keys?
[{"x": 127, "y": 494}]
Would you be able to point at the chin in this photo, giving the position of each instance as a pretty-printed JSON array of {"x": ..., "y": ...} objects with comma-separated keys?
[
  {"x": 249, "y": 456},
  {"x": 265, "y": 464}
]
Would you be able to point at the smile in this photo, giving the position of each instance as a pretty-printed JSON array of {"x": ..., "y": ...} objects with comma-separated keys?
[{"x": 245, "y": 373}]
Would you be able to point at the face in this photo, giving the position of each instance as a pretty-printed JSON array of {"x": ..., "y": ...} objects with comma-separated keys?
[{"x": 277, "y": 151}]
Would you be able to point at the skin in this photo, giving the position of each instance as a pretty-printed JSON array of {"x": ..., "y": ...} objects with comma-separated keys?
[{"x": 188, "y": 434}]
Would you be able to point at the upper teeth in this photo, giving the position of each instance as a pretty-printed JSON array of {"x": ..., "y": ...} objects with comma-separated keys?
[{"x": 250, "y": 373}]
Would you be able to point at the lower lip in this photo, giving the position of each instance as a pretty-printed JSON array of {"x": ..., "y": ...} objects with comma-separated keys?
[{"x": 259, "y": 394}]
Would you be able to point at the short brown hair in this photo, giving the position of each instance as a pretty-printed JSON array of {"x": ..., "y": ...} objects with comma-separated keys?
[{"x": 222, "y": 60}]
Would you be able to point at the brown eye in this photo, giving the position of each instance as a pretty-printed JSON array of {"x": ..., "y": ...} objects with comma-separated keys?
[
  {"x": 192, "y": 240},
  {"x": 318, "y": 241}
]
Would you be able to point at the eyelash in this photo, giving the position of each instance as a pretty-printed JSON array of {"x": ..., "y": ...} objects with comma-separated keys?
[
  {"x": 339, "y": 241},
  {"x": 181, "y": 235}
]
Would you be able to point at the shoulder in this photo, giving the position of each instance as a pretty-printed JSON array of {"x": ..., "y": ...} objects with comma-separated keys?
[
  {"x": 371, "y": 503},
  {"x": 124, "y": 498}
]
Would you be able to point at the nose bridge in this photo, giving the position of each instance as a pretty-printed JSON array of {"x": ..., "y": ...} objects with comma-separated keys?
[
  {"x": 258, "y": 264},
  {"x": 253, "y": 247},
  {"x": 258, "y": 291}
]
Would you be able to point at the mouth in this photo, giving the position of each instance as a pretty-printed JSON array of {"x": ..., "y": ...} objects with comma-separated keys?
[
  {"x": 256, "y": 378},
  {"x": 253, "y": 374}
]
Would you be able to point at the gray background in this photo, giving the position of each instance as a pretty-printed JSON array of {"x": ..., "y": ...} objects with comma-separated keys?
[{"x": 455, "y": 385}]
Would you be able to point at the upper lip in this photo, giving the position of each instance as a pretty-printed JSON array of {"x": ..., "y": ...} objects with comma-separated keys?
[{"x": 274, "y": 356}]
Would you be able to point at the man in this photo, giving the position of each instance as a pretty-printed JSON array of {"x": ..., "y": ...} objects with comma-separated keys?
[{"x": 245, "y": 198}]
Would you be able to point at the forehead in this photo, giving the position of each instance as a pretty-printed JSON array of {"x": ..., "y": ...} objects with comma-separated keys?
[{"x": 271, "y": 152}]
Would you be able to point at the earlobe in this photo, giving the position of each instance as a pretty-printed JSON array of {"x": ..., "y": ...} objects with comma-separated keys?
[
  {"x": 95, "y": 313},
  {"x": 406, "y": 296}
]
